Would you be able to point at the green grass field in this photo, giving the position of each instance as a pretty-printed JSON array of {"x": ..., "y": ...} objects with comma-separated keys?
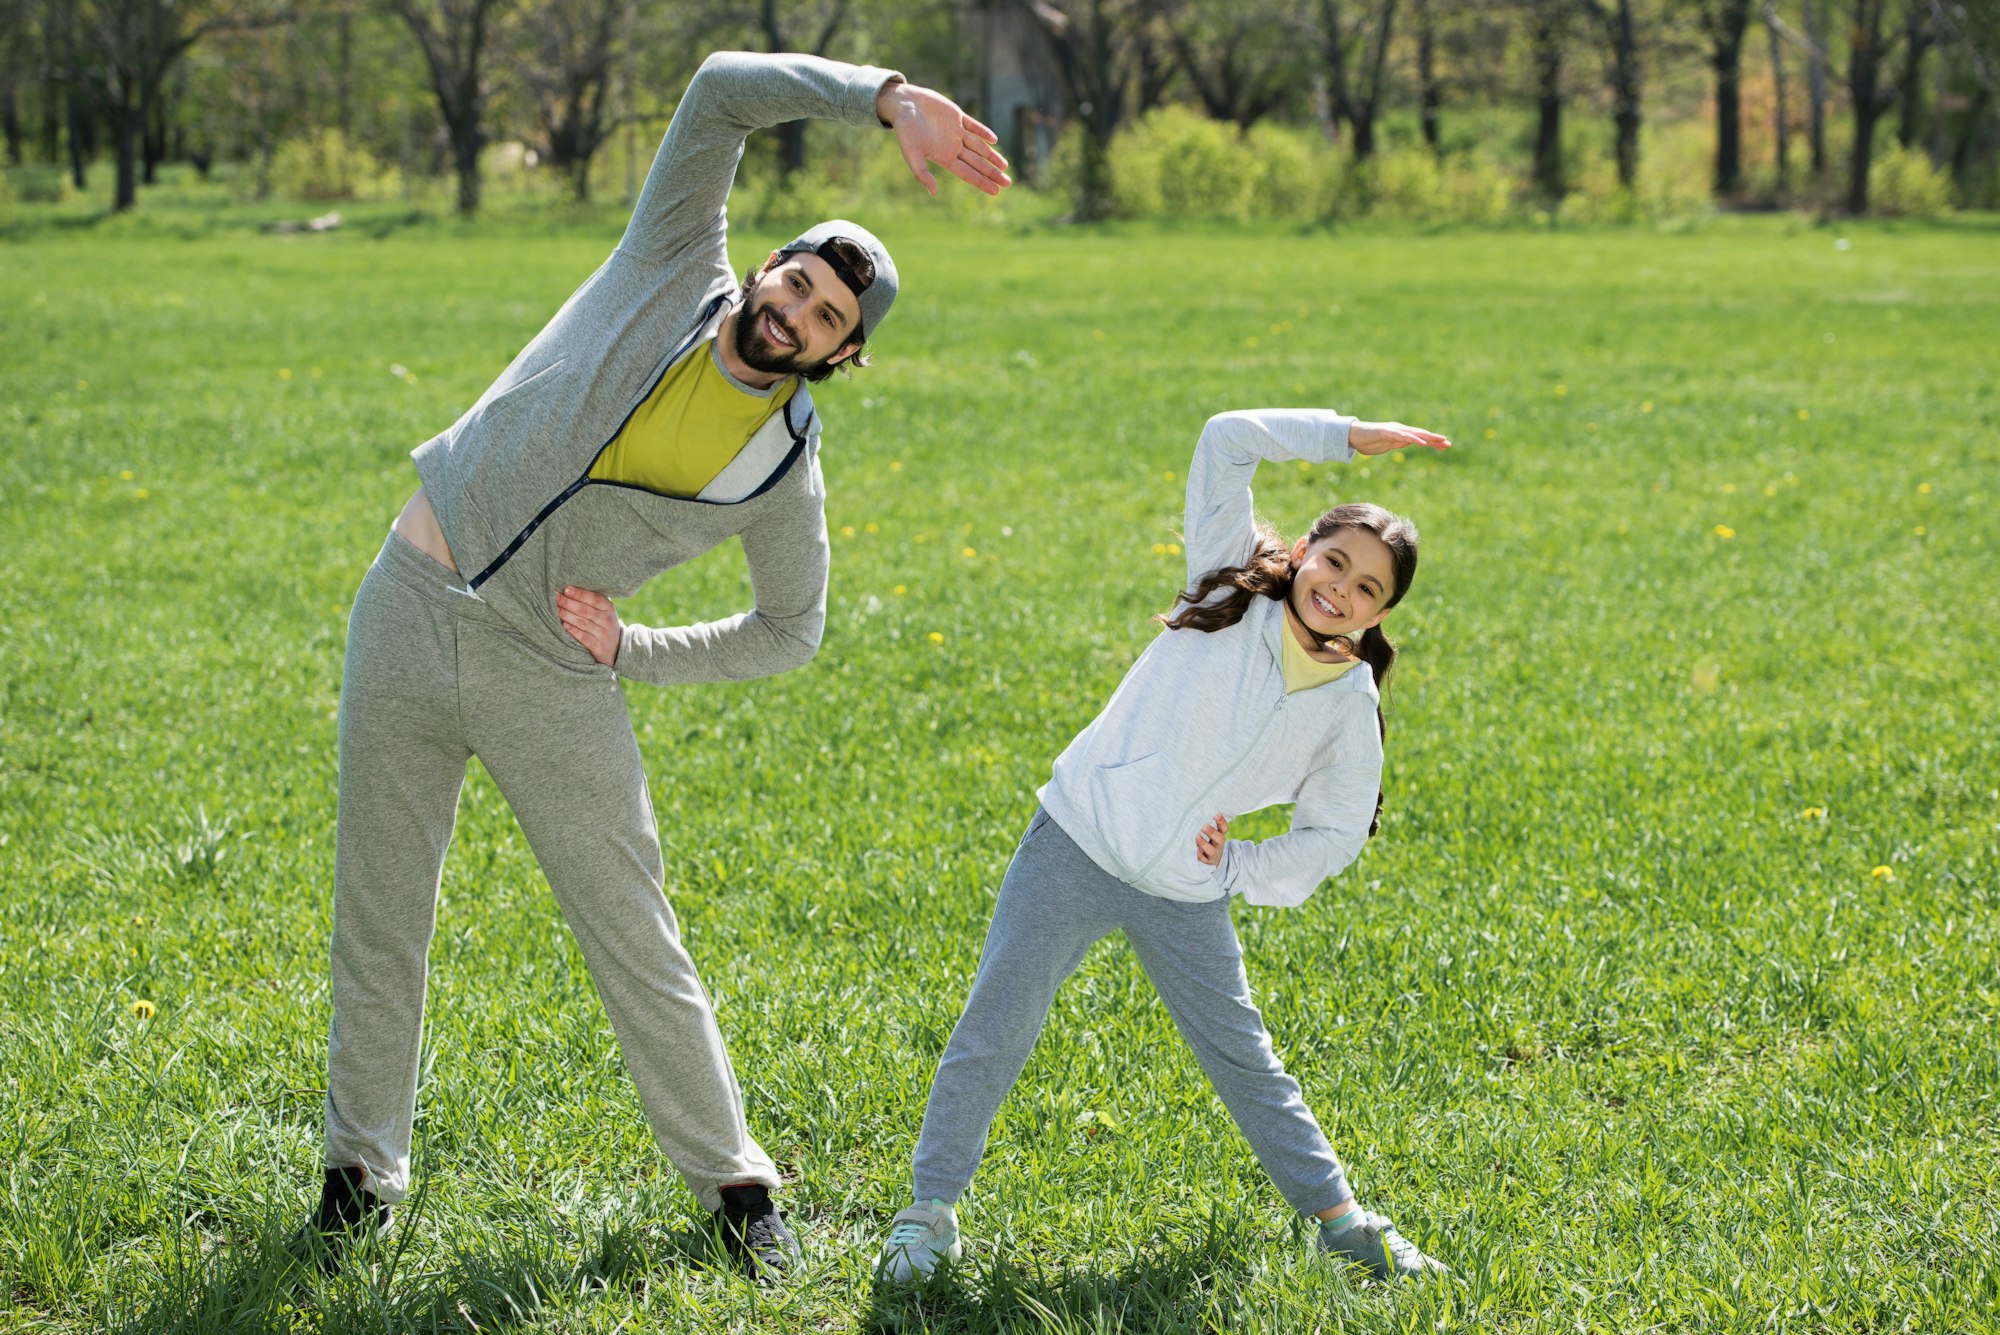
[{"x": 1665, "y": 1001}]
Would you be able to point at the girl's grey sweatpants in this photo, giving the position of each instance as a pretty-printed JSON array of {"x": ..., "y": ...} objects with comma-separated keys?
[
  {"x": 434, "y": 677},
  {"x": 1054, "y": 904}
]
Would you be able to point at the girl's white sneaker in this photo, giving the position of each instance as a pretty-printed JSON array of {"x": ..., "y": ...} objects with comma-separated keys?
[
  {"x": 1372, "y": 1242},
  {"x": 919, "y": 1238}
]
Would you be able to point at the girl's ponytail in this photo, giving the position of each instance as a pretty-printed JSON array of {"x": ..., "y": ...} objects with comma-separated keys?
[{"x": 1375, "y": 650}]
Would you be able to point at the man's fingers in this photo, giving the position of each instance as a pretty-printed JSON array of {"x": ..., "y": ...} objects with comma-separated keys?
[
  {"x": 979, "y": 128},
  {"x": 979, "y": 171}
]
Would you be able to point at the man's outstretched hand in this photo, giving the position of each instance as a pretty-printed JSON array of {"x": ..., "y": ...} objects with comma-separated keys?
[{"x": 930, "y": 128}]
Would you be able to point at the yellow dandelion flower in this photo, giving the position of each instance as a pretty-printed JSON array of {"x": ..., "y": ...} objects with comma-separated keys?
[
  {"x": 1729, "y": 489},
  {"x": 1923, "y": 489},
  {"x": 1491, "y": 434},
  {"x": 899, "y": 590},
  {"x": 284, "y": 373},
  {"x": 1097, "y": 334},
  {"x": 847, "y": 530},
  {"x": 1173, "y": 549},
  {"x": 1813, "y": 813},
  {"x": 968, "y": 552},
  {"x": 873, "y": 529},
  {"x": 1562, "y": 390},
  {"x": 1884, "y": 873},
  {"x": 1250, "y": 342},
  {"x": 1646, "y": 407},
  {"x": 919, "y": 538},
  {"x": 142, "y": 493},
  {"x": 1724, "y": 531},
  {"x": 1804, "y": 416},
  {"x": 1305, "y": 466},
  {"x": 936, "y": 637},
  {"x": 1169, "y": 475},
  {"x": 1159, "y": 549},
  {"x": 316, "y": 373},
  {"x": 125, "y": 475},
  {"x": 1770, "y": 489},
  {"x": 1920, "y": 530},
  {"x": 143, "y": 1009},
  {"x": 896, "y": 466},
  {"x": 83, "y": 384}
]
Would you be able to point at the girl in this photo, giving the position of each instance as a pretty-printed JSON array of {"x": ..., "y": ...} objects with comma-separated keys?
[{"x": 1262, "y": 689}]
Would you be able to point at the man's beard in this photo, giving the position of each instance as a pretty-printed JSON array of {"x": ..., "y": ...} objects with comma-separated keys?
[{"x": 759, "y": 352}]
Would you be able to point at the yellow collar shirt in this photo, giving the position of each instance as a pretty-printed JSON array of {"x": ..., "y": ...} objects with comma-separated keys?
[{"x": 689, "y": 428}]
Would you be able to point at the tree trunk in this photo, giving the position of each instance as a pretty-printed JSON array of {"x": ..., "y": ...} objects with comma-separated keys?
[
  {"x": 1430, "y": 96},
  {"x": 1726, "y": 25},
  {"x": 465, "y": 143},
  {"x": 1625, "y": 94},
  {"x": 344, "y": 76},
  {"x": 125, "y": 133},
  {"x": 1094, "y": 196},
  {"x": 792, "y": 147},
  {"x": 1547, "y": 39},
  {"x": 82, "y": 143},
  {"x": 1816, "y": 85},
  {"x": 1779, "y": 129},
  {"x": 1864, "y": 74},
  {"x": 1917, "y": 43},
  {"x": 10, "y": 124},
  {"x": 152, "y": 136}
]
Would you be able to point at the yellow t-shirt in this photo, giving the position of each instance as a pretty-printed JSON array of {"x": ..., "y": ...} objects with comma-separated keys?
[
  {"x": 693, "y": 423},
  {"x": 1302, "y": 670}
]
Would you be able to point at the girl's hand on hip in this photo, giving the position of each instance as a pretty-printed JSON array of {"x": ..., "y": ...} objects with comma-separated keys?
[
  {"x": 591, "y": 622},
  {"x": 1382, "y": 437},
  {"x": 1208, "y": 844}
]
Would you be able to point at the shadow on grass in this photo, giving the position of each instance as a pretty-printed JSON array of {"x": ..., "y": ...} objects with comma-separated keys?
[
  {"x": 259, "y": 1286},
  {"x": 1162, "y": 1293}
]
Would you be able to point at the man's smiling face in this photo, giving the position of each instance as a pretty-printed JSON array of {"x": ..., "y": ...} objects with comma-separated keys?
[{"x": 797, "y": 316}]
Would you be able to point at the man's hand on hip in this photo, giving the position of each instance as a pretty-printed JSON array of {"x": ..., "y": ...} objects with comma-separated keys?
[{"x": 591, "y": 621}]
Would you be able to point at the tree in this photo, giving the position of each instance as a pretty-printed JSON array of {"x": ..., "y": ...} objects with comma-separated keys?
[
  {"x": 1779, "y": 128},
  {"x": 1237, "y": 57},
  {"x": 1619, "y": 27},
  {"x": 453, "y": 35},
  {"x": 122, "y": 53},
  {"x": 566, "y": 67},
  {"x": 1724, "y": 22},
  {"x": 1096, "y": 44},
  {"x": 1548, "y": 37},
  {"x": 1354, "y": 56},
  {"x": 1870, "y": 88}
]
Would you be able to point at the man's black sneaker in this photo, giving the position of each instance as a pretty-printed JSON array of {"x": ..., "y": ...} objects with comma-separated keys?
[
  {"x": 755, "y": 1234},
  {"x": 347, "y": 1214}
]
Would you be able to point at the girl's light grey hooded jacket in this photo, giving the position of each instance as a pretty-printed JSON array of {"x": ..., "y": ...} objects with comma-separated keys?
[
  {"x": 1202, "y": 724},
  {"x": 510, "y": 479}
]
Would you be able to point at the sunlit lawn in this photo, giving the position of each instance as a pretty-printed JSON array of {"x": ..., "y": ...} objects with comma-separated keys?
[{"x": 1666, "y": 999}]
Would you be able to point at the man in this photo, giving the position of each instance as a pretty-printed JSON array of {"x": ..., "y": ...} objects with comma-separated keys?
[{"x": 660, "y": 412}]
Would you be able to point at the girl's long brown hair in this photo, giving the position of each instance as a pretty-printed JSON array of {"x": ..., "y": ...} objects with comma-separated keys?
[{"x": 1268, "y": 574}]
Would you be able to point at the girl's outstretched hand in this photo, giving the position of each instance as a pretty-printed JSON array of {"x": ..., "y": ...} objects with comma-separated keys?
[
  {"x": 591, "y": 621},
  {"x": 1382, "y": 437},
  {"x": 1208, "y": 844}
]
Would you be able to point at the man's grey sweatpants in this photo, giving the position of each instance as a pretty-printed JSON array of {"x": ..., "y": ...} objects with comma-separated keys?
[
  {"x": 434, "y": 676},
  {"x": 1054, "y": 904}
]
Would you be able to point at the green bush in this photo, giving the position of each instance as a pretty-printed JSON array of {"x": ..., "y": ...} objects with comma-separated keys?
[
  {"x": 1903, "y": 182},
  {"x": 326, "y": 166},
  {"x": 1177, "y": 162},
  {"x": 37, "y": 185}
]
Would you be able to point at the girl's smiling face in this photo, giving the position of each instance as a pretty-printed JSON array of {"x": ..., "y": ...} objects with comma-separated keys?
[{"x": 1343, "y": 582}]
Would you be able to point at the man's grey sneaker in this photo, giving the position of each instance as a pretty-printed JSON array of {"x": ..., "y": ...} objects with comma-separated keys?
[
  {"x": 755, "y": 1234},
  {"x": 1372, "y": 1242},
  {"x": 919, "y": 1238},
  {"x": 348, "y": 1214}
]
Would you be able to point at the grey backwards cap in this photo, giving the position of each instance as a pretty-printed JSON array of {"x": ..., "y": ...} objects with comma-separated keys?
[{"x": 878, "y": 295}]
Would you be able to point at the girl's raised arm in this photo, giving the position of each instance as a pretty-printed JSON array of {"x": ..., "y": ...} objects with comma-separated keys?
[
  {"x": 1220, "y": 524},
  {"x": 1219, "y": 527}
]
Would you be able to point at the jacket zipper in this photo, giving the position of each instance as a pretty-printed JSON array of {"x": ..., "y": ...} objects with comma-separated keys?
[{"x": 707, "y": 314}]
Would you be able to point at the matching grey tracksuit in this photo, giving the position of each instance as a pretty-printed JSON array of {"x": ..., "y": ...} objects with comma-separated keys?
[{"x": 443, "y": 666}]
